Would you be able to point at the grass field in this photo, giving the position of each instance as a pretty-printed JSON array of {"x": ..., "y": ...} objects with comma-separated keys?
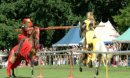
[{"x": 63, "y": 72}]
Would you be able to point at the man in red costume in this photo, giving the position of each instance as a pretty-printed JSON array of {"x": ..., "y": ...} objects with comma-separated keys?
[
  {"x": 24, "y": 47},
  {"x": 26, "y": 31}
]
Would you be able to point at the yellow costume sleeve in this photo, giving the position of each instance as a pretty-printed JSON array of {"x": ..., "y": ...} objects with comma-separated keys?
[{"x": 87, "y": 22}]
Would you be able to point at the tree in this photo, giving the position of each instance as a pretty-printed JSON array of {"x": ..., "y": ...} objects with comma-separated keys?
[
  {"x": 46, "y": 13},
  {"x": 123, "y": 19},
  {"x": 7, "y": 25}
]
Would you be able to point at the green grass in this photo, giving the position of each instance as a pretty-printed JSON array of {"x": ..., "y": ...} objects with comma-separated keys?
[{"x": 63, "y": 72}]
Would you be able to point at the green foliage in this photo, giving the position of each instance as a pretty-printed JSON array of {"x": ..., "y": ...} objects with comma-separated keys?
[
  {"x": 43, "y": 13},
  {"x": 46, "y": 13},
  {"x": 123, "y": 19}
]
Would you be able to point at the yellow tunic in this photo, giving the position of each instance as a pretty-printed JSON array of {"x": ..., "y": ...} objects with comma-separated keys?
[
  {"x": 89, "y": 36},
  {"x": 90, "y": 39},
  {"x": 89, "y": 33}
]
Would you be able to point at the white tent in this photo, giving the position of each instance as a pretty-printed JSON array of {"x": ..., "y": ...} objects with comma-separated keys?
[{"x": 106, "y": 32}]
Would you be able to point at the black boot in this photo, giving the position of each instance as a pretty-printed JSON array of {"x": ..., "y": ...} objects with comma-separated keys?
[
  {"x": 11, "y": 76},
  {"x": 80, "y": 69},
  {"x": 14, "y": 75},
  {"x": 97, "y": 72}
]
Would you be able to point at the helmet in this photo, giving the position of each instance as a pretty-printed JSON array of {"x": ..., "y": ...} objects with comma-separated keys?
[
  {"x": 90, "y": 15},
  {"x": 27, "y": 22}
]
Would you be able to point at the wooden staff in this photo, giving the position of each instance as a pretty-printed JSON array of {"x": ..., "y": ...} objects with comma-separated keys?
[
  {"x": 58, "y": 27},
  {"x": 53, "y": 28}
]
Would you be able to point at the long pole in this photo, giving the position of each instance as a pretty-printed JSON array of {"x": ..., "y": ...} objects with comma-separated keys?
[
  {"x": 40, "y": 67},
  {"x": 70, "y": 74},
  {"x": 106, "y": 66},
  {"x": 58, "y": 27},
  {"x": 52, "y": 28}
]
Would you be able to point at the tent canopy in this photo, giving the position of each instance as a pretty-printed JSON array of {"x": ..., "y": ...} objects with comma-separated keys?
[
  {"x": 124, "y": 38},
  {"x": 106, "y": 32},
  {"x": 70, "y": 39}
]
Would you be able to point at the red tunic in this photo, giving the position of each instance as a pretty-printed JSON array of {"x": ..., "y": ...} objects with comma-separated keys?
[{"x": 24, "y": 50}]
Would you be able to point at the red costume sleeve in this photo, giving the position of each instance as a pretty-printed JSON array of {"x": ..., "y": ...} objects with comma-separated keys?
[{"x": 21, "y": 36}]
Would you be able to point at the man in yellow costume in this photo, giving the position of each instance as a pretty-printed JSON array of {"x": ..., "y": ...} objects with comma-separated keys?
[
  {"x": 88, "y": 44},
  {"x": 89, "y": 25}
]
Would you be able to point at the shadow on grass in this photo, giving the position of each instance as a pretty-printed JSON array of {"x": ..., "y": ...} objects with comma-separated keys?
[{"x": 19, "y": 77}]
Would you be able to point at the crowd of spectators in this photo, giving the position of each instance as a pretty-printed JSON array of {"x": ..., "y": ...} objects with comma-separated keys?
[
  {"x": 3, "y": 58},
  {"x": 44, "y": 58}
]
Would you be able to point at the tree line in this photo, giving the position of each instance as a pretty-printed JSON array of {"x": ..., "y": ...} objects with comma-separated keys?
[{"x": 45, "y": 13}]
